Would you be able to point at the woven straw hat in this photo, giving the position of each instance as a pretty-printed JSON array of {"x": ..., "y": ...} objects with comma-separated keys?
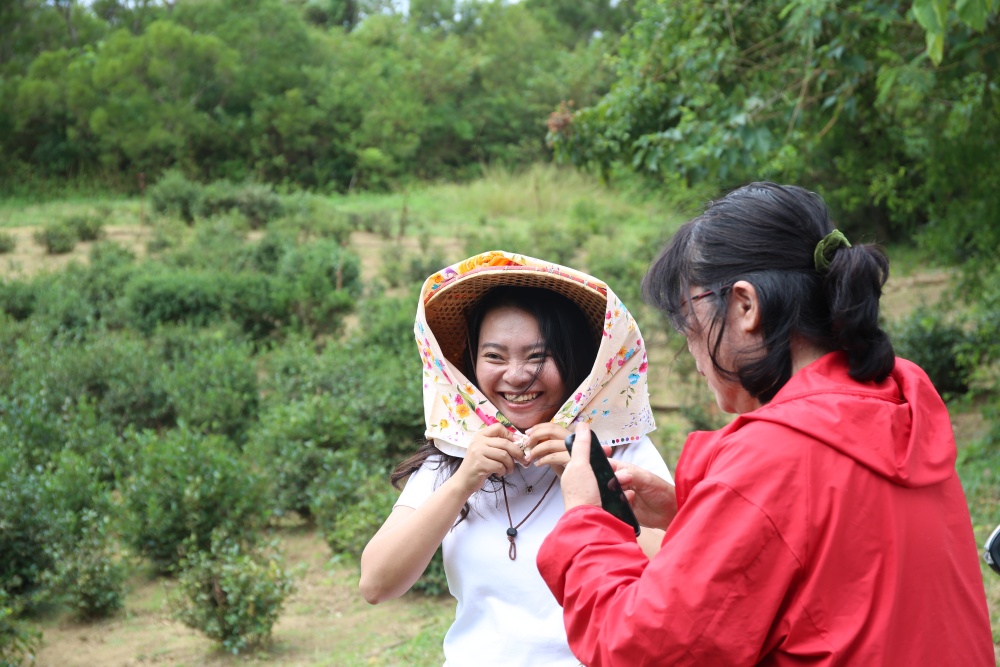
[{"x": 447, "y": 305}]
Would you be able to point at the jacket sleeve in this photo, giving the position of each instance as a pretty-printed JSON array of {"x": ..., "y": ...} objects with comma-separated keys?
[{"x": 710, "y": 596}]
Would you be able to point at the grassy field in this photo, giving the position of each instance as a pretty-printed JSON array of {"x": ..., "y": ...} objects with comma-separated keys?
[{"x": 326, "y": 622}]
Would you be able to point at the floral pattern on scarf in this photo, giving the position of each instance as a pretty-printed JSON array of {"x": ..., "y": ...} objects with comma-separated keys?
[{"x": 613, "y": 399}]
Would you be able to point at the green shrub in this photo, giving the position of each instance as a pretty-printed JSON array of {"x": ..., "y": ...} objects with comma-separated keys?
[
  {"x": 621, "y": 264},
  {"x": 186, "y": 485},
  {"x": 8, "y": 242},
  {"x": 218, "y": 244},
  {"x": 18, "y": 298},
  {"x": 171, "y": 296},
  {"x": 374, "y": 222},
  {"x": 117, "y": 372},
  {"x": 586, "y": 219},
  {"x": 350, "y": 505},
  {"x": 86, "y": 227},
  {"x": 167, "y": 235},
  {"x": 294, "y": 445},
  {"x": 317, "y": 217},
  {"x": 934, "y": 343},
  {"x": 320, "y": 282},
  {"x": 62, "y": 307},
  {"x": 18, "y": 645},
  {"x": 266, "y": 255},
  {"x": 57, "y": 238},
  {"x": 232, "y": 593},
  {"x": 213, "y": 385},
  {"x": 89, "y": 575},
  {"x": 173, "y": 194},
  {"x": 411, "y": 268},
  {"x": 258, "y": 203},
  {"x": 257, "y": 303},
  {"x": 218, "y": 197},
  {"x": 27, "y": 529}
]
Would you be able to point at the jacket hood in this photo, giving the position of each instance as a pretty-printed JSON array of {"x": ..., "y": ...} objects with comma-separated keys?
[{"x": 899, "y": 428}]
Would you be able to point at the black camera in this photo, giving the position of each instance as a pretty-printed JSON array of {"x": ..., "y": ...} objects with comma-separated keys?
[{"x": 992, "y": 553}]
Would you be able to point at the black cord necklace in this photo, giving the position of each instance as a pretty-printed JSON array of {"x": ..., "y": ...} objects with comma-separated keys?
[{"x": 512, "y": 531}]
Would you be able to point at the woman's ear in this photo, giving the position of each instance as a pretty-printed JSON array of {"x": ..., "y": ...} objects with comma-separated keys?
[{"x": 744, "y": 307}]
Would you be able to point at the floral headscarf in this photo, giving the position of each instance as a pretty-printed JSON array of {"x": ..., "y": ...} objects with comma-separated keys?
[{"x": 614, "y": 397}]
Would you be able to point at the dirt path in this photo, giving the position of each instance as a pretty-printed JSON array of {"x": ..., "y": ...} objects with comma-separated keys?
[{"x": 325, "y": 623}]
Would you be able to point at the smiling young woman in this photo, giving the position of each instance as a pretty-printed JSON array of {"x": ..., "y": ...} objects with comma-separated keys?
[{"x": 515, "y": 350}]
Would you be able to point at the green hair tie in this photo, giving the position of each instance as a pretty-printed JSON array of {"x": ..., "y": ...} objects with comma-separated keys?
[{"x": 825, "y": 249}]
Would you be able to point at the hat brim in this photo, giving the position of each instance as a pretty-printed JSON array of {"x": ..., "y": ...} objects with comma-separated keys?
[{"x": 447, "y": 308}]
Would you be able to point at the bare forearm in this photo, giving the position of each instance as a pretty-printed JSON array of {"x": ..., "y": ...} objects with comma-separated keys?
[{"x": 399, "y": 552}]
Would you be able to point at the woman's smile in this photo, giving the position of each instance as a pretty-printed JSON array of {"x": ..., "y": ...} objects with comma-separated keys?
[{"x": 514, "y": 369}]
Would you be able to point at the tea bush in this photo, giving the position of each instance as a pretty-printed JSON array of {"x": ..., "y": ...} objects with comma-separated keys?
[
  {"x": 350, "y": 504},
  {"x": 89, "y": 574},
  {"x": 18, "y": 644},
  {"x": 218, "y": 244},
  {"x": 28, "y": 528},
  {"x": 86, "y": 227},
  {"x": 232, "y": 592},
  {"x": 62, "y": 307},
  {"x": 258, "y": 203},
  {"x": 173, "y": 194},
  {"x": 202, "y": 298},
  {"x": 165, "y": 295},
  {"x": 8, "y": 242},
  {"x": 320, "y": 282},
  {"x": 117, "y": 371},
  {"x": 184, "y": 486},
  {"x": 18, "y": 298},
  {"x": 294, "y": 443},
  {"x": 212, "y": 384},
  {"x": 318, "y": 218},
  {"x": 57, "y": 238},
  {"x": 934, "y": 343},
  {"x": 103, "y": 280}
]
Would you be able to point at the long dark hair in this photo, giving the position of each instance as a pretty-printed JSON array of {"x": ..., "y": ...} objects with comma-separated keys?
[
  {"x": 766, "y": 234},
  {"x": 568, "y": 337}
]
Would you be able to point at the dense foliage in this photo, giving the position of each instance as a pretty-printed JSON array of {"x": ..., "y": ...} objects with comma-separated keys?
[
  {"x": 304, "y": 93},
  {"x": 146, "y": 407},
  {"x": 890, "y": 109}
]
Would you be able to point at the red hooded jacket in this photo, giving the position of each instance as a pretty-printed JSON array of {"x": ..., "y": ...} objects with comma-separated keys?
[{"x": 827, "y": 527}]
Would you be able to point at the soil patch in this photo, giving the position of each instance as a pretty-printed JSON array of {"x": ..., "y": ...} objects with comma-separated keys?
[{"x": 325, "y": 623}]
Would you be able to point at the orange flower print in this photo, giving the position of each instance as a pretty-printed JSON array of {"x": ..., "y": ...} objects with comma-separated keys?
[
  {"x": 443, "y": 423},
  {"x": 462, "y": 411},
  {"x": 492, "y": 258}
]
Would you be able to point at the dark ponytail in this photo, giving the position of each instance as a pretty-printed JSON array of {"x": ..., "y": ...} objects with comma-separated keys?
[{"x": 853, "y": 286}]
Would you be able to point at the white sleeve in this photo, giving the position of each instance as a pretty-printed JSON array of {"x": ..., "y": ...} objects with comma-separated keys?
[
  {"x": 645, "y": 455},
  {"x": 421, "y": 484}
]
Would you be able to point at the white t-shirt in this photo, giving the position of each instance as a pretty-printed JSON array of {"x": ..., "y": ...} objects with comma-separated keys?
[{"x": 506, "y": 616}]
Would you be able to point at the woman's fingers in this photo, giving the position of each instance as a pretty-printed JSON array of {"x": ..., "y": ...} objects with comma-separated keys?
[
  {"x": 546, "y": 445},
  {"x": 653, "y": 499},
  {"x": 579, "y": 485}
]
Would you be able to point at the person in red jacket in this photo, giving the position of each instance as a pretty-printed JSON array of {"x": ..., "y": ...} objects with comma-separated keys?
[{"x": 826, "y": 524}]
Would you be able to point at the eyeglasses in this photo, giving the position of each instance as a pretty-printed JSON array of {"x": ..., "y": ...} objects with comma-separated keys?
[{"x": 706, "y": 293}]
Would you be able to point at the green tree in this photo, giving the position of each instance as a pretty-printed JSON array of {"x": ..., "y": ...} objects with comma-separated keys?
[{"x": 842, "y": 97}]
